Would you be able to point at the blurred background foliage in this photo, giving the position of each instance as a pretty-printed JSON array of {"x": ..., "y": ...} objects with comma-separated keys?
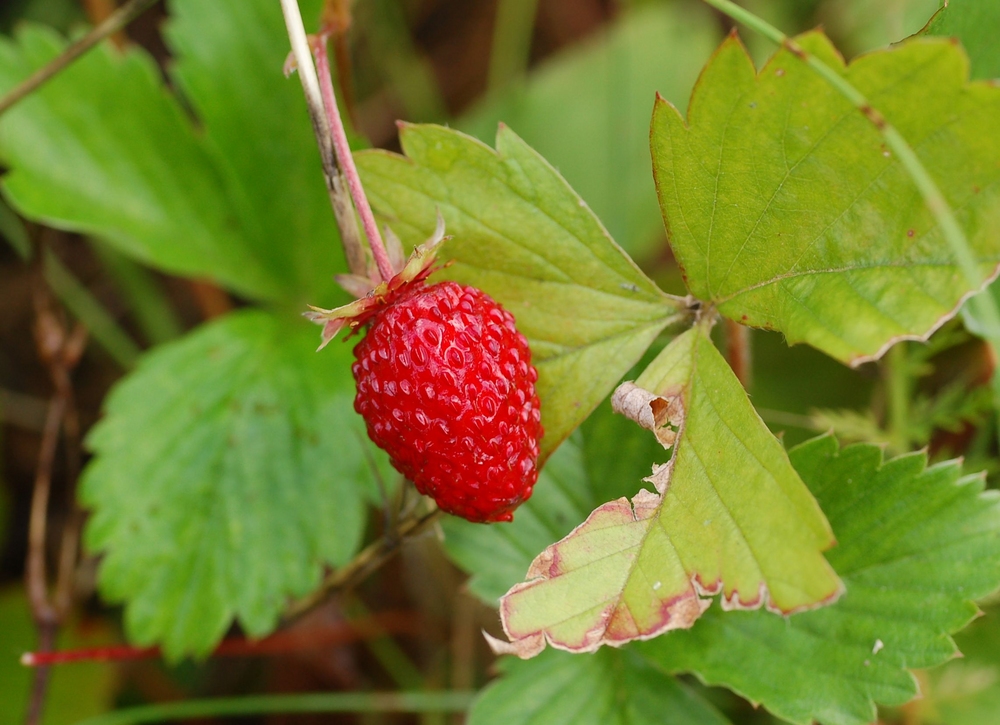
[{"x": 576, "y": 79}]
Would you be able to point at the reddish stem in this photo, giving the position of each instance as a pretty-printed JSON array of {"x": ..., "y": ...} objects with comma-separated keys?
[
  {"x": 295, "y": 640},
  {"x": 346, "y": 160}
]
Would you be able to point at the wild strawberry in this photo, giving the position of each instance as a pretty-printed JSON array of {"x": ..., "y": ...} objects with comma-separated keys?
[{"x": 447, "y": 389}]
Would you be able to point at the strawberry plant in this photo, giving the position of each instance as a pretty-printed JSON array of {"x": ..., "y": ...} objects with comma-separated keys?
[{"x": 685, "y": 382}]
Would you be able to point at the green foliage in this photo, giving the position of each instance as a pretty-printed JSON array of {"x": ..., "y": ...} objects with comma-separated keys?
[
  {"x": 914, "y": 546},
  {"x": 794, "y": 216},
  {"x": 966, "y": 691},
  {"x": 597, "y": 97},
  {"x": 251, "y": 474},
  {"x": 974, "y": 23},
  {"x": 229, "y": 67},
  {"x": 103, "y": 149},
  {"x": 230, "y": 468},
  {"x": 85, "y": 689},
  {"x": 730, "y": 516},
  {"x": 526, "y": 238},
  {"x": 609, "y": 687}
]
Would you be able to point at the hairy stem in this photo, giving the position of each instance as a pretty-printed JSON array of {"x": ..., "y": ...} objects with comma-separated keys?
[
  {"x": 336, "y": 182},
  {"x": 346, "y": 160},
  {"x": 115, "y": 22}
]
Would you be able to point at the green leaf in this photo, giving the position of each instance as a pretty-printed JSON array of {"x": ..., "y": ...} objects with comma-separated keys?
[
  {"x": 610, "y": 687},
  {"x": 974, "y": 23},
  {"x": 966, "y": 691},
  {"x": 102, "y": 149},
  {"x": 229, "y": 57},
  {"x": 586, "y": 111},
  {"x": 76, "y": 691},
  {"x": 787, "y": 211},
  {"x": 915, "y": 545},
  {"x": 522, "y": 235},
  {"x": 730, "y": 516},
  {"x": 230, "y": 469}
]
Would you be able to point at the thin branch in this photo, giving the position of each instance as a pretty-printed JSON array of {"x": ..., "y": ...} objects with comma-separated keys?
[
  {"x": 336, "y": 182},
  {"x": 346, "y": 159},
  {"x": 60, "y": 351},
  {"x": 368, "y": 560},
  {"x": 118, "y": 20}
]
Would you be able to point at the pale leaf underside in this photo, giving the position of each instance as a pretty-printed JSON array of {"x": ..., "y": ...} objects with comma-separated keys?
[{"x": 730, "y": 517}]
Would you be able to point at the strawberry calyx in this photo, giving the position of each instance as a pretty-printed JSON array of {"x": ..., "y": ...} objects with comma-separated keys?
[{"x": 379, "y": 292}]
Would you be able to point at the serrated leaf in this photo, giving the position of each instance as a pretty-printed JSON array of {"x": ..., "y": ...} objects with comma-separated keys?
[
  {"x": 787, "y": 211},
  {"x": 522, "y": 235},
  {"x": 586, "y": 110},
  {"x": 610, "y": 687},
  {"x": 229, "y": 469},
  {"x": 730, "y": 516},
  {"x": 974, "y": 23},
  {"x": 102, "y": 149},
  {"x": 915, "y": 545},
  {"x": 228, "y": 63},
  {"x": 966, "y": 691}
]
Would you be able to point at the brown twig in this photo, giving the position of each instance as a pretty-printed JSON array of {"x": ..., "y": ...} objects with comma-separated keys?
[
  {"x": 60, "y": 351},
  {"x": 367, "y": 561},
  {"x": 118, "y": 20}
]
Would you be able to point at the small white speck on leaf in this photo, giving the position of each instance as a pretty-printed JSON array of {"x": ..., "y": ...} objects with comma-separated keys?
[
  {"x": 878, "y": 646},
  {"x": 657, "y": 585}
]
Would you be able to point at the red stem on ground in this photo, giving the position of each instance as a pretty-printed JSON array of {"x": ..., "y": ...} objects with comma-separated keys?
[
  {"x": 293, "y": 640},
  {"x": 346, "y": 161}
]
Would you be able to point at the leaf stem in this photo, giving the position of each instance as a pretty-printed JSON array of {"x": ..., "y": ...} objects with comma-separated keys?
[
  {"x": 336, "y": 182},
  {"x": 346, "y": 159},
  {"x": 115, "y": 22},
  {"x": 327, "y": 702}
]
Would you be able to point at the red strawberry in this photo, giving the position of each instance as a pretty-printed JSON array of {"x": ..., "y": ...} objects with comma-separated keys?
[{"x": 447, "y": 389}]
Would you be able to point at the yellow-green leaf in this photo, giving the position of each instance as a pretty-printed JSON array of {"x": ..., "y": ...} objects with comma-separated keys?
[{"x": 730, "y": 515}]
